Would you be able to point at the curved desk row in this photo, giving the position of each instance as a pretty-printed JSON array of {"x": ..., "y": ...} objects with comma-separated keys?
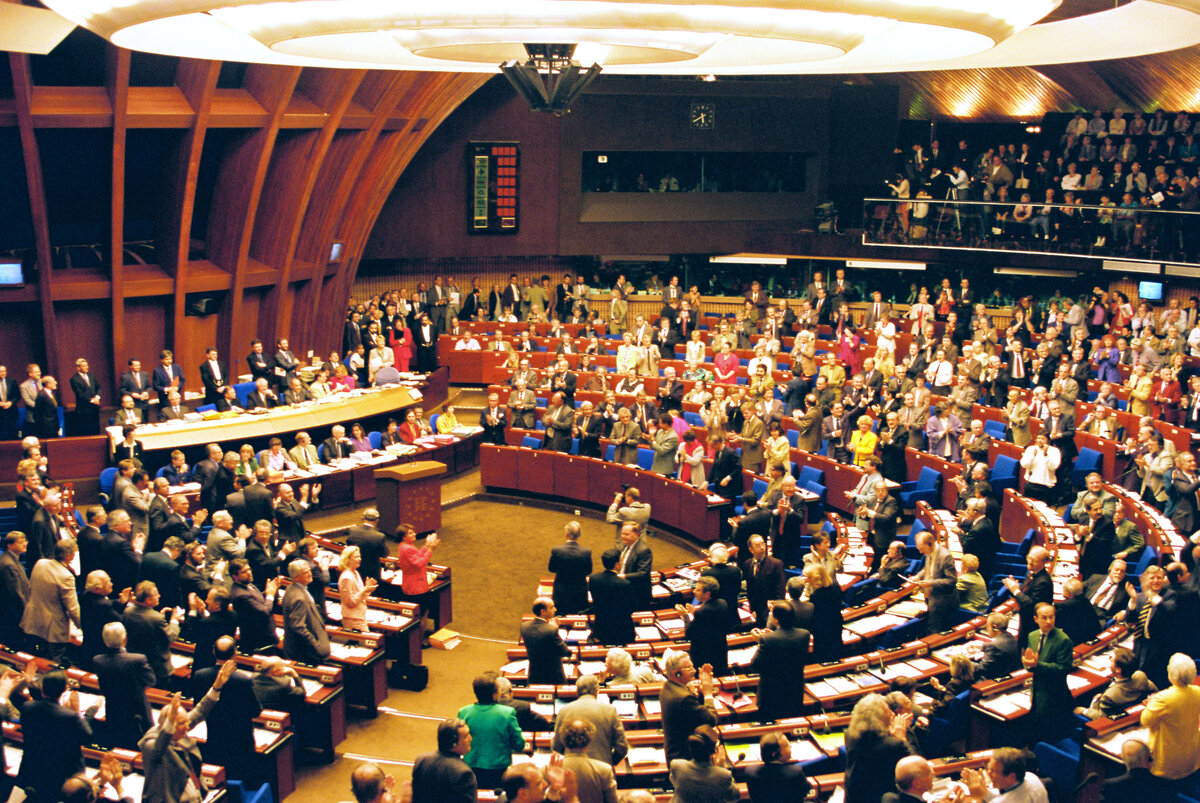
[
  {"x": 673, "y": 504},
  {"x": 247, "y": 426}
]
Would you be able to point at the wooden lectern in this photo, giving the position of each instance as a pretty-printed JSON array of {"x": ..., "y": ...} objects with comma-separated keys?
[{"x": 410, "y": 493}]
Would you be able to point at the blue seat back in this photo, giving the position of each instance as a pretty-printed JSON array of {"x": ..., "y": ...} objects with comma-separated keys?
[
  {"x": 206, "y": 408},
  {"x": 793, "y": 436},
  {"x": 376, "y": 439},
  {"x": 693, "y": 419},
  {"x": 1004, "y": 474},
  {"x": 243, "y": 391},
  {"x": 995, "y": 429},
  {"x": 645, "y": 458},
  {"x": 811, "y": 474},
  {"x": 107, "y": 477},
  {"x": 531, "y": 442},
  {"x": 759, "y": 487},
  {"x": 433, "y": 419},
  {"x": 321, "y": 452}
]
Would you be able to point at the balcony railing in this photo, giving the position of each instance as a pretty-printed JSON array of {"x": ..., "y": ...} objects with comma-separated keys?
[{"x": 1078, "y": 230}]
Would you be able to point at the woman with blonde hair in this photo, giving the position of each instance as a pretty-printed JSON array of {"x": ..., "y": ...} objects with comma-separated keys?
[
  {"x": 875, "y": 743},
  {"x": 863, "y": 441},
  {"x": 352, "y": 590}
]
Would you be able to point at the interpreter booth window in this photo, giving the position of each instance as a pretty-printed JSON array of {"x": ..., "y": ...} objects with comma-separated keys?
[{"x": 698, "y": 171}]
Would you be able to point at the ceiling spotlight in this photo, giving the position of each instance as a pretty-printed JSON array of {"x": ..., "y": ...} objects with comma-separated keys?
[{"x": 549, "y": 80}]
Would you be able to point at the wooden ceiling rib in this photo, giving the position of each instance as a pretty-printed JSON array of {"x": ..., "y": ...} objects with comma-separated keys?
[{"x": 286, "y": 182}]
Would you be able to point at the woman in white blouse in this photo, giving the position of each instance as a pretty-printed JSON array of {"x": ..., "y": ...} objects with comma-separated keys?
[
  {"x": 695, "y": 348},
  {"x": 1040, "y": 462},
  {"x": 353, "y": 590}
]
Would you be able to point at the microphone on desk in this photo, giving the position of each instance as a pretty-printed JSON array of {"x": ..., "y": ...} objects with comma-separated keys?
[{"x": 737, "y": 688}]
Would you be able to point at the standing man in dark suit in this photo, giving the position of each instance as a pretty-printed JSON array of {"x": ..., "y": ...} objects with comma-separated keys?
[
  {"x": 1038, "y": 587},
  {"x": 979, "y": 536},
  {"x": 707, "y": 625},
  {"x": 252, "y": 607},
  {"x": 49, "y": 728},
  {"x": 571, "y": 565},
  {"x": 764, "y": 579},
  {"x": 260, "y": 503},
  {"x": 87, "y": 400},
  {"x": 351, "y": 334},
  {"x": 135, "y": 383},
  {"x": 162, "y": 568},
  {"x": 167, "y": 376},
  {"x": 543, "y": 645},
  {"x": 205, "y": 473},
  {"x": 124, "y": 677},
  {"x": 230, "y": 741},
  {"x": 937, "y": 581},
  {"x": 670, "y": 392},
  {"x": 635, "y": 564},
  {"x": 589, "y": 427},
  {"x": 371, "y": 543},
  {"x": 443, "y": 776},
  {"x": 289, "y": 512},
  {"x": 727, "y": 469},
  {"x": 14, "y": 590},
  {"x": 215, "y": 376},
  {"x": 1187, "y": 483},
  {"x": 425, "y": 335},
  {"x": 259, "y": 363},
  {"x": 1096, "y": 538},
  {"x": 284, "y": 365},
  {"x": 882, "y": 516},
  {"x": 45, "y": 410},
  {"x": 729, "y": 582},
  {"x": 612, "y": 602},
  {"x": 150, "y": 631},
  {"x": 494, "y": 420},
  {"x": 10, "y": 396},
  {"x": 1048, "y": 656},
  {"x": 304, "y": 635},
  {"x": 786, "y": 529},
  {"x": 779, "y": 662},
  {"x": 687, "y": 702}
]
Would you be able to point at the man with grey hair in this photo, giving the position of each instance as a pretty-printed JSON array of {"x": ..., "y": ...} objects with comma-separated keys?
[
  {"x": 304, "y": 636},
  {"x": 571, "y": 565},
  {"x": 1036, "y": 588},
  {"x": 687, "y": 702},
  {"x": 1139, "y": 783},
  {"x": 337, "y": 445},
  {"x": 729, "y": 581},
  {"x": 1171, "y": 716},
  {"x": 620, "y": 670},
  {"x": 221, "y": 545},
  {"x": 1000, "y": 656},
  {"x": 608, "y": 743},
  {"x": 124, "y": 678}
]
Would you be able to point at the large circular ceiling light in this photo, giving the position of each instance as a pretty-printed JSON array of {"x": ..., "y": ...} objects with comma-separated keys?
[{"x": 625, "y": 36}]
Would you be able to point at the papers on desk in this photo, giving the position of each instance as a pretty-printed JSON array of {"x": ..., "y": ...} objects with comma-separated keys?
[
  {"x": 742, "y": 656},
  {"x": 909, "y": 608},
  {"x": 345, "y": 652},
  {"x": 900, "y": 669},
  {"x": 667, "y": 625},
  {"x": 873, "y": 624},
  {"x": 689, "y": 574},
  {"x": 1077, "y": 682},
  {"x": 320, "y": 469},
  {"x": 544, "y": 709},
  {"x": 402, "y": 448},
  {"x": 652, "y": 706},
  {"x": 677, "y": 584},
  {"x": 465, "y": 432},
  {"x": 1111, "y": 743},
  {"x": 626, "y": 708},
  {"x": 647, "y": 633},
  {"x": 592, "y": 668},
  {"x": 311, "y": 685},
  {"x": 574, "y": 635},
  {"x": 515, "y": 668},
  {"x": 179, "y": 661},
  {"x": 646, "y": 756},
  {"x": 1014, "y": 703}
]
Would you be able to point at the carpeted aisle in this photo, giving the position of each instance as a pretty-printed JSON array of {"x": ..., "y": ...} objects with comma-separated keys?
[{"x": 498, "y": 551}]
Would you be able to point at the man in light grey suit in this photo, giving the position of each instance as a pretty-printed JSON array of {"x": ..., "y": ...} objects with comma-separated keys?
[
  {"x": 938, "y": 582},
  {"x": 607, "y": 743},
  {"x": 304, "y": 636},
  {"x": 53, "y": 603}
]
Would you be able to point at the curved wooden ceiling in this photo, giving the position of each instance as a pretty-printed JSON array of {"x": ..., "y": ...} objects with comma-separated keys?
[
  {"x": 264, "y": 169},
  {"x": 1164, "y": 80}
]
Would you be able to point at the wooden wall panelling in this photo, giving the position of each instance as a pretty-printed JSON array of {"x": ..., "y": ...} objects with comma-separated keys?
[
  {"x": 117, "y": 62},
  {"x": 294, "y": 172},
  {"x": 239, "y": 186},
  {"x": 381, "y": 93},
  {"x": 197, "y": 80},
  {"x": 447, "y": 91},
  {"x": 23, "y": 97}
]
